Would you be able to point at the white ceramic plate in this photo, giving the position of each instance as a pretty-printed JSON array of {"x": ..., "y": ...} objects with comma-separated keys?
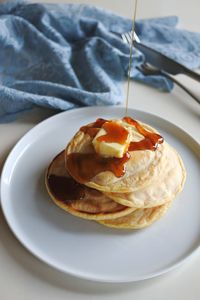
[{"x": 84, "y": 248}]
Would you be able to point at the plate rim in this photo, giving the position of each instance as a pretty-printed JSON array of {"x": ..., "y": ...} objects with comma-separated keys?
[{"x": 81, "y": 274}]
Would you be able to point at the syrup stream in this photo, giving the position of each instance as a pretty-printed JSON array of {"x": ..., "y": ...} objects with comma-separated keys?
[{"x": 130, "y": 58}]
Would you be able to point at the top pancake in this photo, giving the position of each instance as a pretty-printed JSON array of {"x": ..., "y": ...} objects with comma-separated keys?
[{"x": 142, "y": 168}]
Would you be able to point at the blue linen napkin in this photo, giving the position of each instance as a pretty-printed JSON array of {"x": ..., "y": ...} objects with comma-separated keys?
[{"x": 67, "y": 56}]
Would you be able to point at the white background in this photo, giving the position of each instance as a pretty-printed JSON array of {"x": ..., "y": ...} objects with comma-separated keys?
[{"x": 24, "y": 277}]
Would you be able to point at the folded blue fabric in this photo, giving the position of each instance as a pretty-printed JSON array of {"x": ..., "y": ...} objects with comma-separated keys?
[{"x": 67, "y": 56}]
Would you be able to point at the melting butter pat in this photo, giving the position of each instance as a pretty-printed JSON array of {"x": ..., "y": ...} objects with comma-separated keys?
[{"x": 108, "y": 149}]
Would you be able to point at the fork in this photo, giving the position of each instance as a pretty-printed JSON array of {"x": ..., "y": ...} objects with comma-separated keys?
[
  {"x": 149, "y": 69},
  {"x": 128, "y": 38}
]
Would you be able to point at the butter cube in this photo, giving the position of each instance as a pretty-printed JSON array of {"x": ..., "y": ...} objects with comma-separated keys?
[{"x": 108, "y": 149}]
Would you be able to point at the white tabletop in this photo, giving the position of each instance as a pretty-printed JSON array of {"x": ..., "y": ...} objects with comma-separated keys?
[{"x": 22, "y": 276}]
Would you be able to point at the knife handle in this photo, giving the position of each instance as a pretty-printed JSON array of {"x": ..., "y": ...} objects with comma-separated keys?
[
  {"x": 165, "y": 63},
  {"x": 172, "y": 78},
  {"x": 191, "y": 73}
]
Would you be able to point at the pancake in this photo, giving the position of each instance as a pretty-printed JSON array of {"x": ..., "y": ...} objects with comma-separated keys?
[
  {"x": 140, "y": 218},
  {"x": 142, "y": 168},
  {"x": 130, "y": 188},
  {"x": 167, "y": 186},
  {"x": 77, "y": 199}
]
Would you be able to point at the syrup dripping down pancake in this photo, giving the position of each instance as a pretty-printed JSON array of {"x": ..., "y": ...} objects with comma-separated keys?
[{"x": 78, "y": 199}]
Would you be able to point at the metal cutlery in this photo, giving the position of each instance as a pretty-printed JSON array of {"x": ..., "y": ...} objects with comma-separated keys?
[
  {"x": 158, "y": 59},
  {"x": 159, "y": 64},
  {"x": 148, "y": 69}
]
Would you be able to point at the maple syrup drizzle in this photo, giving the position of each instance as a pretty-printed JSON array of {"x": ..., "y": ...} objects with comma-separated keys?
[
  {"x": 151, "y": 140},
  {"x": 92, "y": 129},
  {"x": 115, "y": 133},
  {"x": 84, "y": 166},
  {"x": 65, "y": 189},
  {"x": 130, "y": 57}
]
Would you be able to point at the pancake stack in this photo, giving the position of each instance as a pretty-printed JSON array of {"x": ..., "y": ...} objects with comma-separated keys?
[{"x": 128, "y": 192}]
